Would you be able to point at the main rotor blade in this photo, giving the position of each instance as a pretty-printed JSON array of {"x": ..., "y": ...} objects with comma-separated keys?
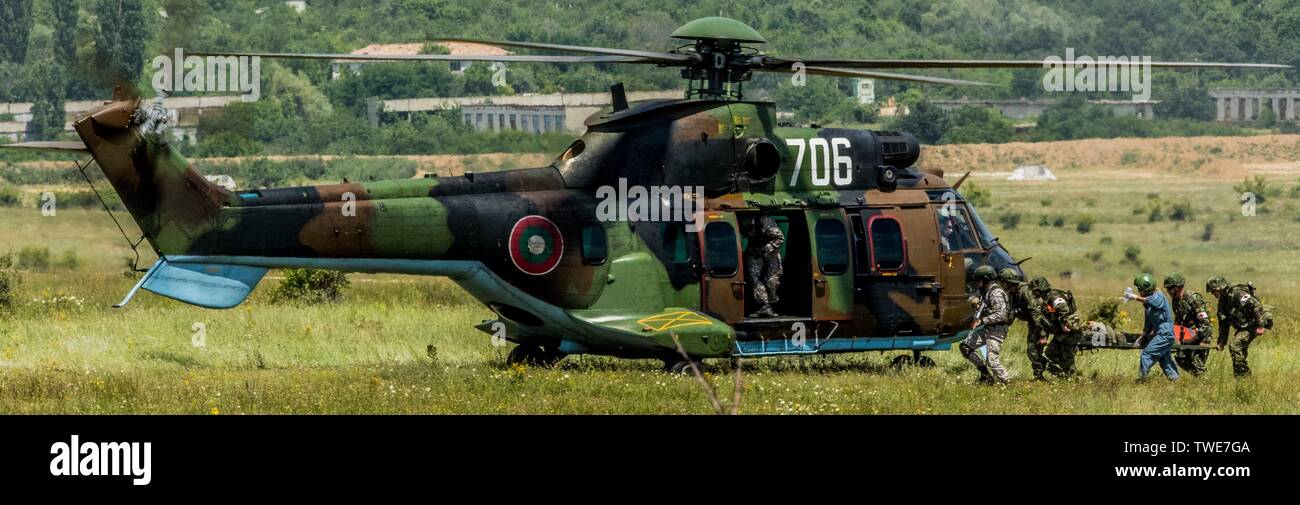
[
  {"x": 521, "y": 58},
  {"x": 664, "y": 57},
  {"x": 49, "y": 146},
  {"x": 1001, "y": 63},
  {"x": 835, "y": 72}
]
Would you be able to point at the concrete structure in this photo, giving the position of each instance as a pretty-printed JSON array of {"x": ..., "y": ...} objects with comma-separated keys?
[
  {"x": 1246, "y": 104},
  {"x": 568, "y": 110},
  {"x": 1032, "y": 173},
  {"x": 414, "y": 48},
  {"x": 1025, "y": 108},
  {"x": 184, "y": 121}
]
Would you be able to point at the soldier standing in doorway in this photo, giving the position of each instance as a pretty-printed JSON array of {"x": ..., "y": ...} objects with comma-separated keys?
[{"x": 763, "y": 264}]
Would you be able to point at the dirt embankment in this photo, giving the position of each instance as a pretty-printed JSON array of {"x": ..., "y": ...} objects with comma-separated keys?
[{"x": 1218, "y": 157}]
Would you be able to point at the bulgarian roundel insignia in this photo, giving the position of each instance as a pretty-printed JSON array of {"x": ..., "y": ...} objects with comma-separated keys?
[{"x": 535, "y": 245}]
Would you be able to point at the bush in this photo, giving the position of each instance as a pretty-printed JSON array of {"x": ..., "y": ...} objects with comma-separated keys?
[
  {"x": 1106, "y": 311},
  {"x": 1157, "y": 212},
  {"x": 8, "y": 280},
  {"x": 1058, "y": 222},
  {"x": 1047, "y": 201},
  {"x": 1084, "y": 225},
  {"x": 86, "y": 199},
  {"x": 1182, "y": 211},
  {"x": 1009, "y": 220},
  {"x": 10, "y": 196},
  {"x": 36, "y": 258},
  {"x": 69, "y": 260},
  {"x": 305, "y": 285},
  {"x": 1132, "y": 254},
  {"x": 1208, "y": 234},
  {"x": 1094, "y": 256},
  {"x": 976, "y": 196},
  {"x": 1259, "y": 187}
]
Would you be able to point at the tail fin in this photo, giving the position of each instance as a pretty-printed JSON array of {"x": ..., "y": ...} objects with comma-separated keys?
[{"x": 171, "y": 202}]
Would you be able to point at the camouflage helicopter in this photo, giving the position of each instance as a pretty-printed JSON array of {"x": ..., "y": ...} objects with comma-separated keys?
[{"x": 577, "y": 257}]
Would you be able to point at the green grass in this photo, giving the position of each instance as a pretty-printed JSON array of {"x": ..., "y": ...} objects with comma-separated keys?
[{"x": 369, "y": 353}]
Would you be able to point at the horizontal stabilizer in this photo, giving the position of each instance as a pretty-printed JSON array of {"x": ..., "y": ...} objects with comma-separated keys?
[
  {"x": 55, "y": 147},
  {"x": 209, "y": 285}
]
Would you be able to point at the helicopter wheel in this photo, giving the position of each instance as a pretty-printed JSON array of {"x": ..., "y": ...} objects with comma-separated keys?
[
  {"x": 901, "y": 361},
  {"x": 922, "y": 360},
  {"x": 533, "y": 355},
  {"x": 678, "y": 366}
]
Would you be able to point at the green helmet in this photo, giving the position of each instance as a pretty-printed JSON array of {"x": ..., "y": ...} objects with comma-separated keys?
[
  {"x": 1039, "y": 284},
  {"x": 985, "y": 273},
  {"x": 1009, "y": 275},
  {"x": 1145, "y": 283},
  {"x": 1216, "y": 283},
  {"x": 1174, "y": 280}
]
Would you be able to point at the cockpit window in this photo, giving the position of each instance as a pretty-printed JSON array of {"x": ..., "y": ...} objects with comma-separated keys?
[
  {"x": 955, "y": 230},
  {"x": 987, "y": 238}
]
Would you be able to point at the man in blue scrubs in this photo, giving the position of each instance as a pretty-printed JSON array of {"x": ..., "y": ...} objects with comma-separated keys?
[{"x": 1158, "y": 330}]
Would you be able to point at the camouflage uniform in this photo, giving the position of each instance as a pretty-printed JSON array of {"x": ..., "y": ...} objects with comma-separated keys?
[
  {"x": 763, "y": 266},
  {"x": 1240, "y": 309},
  {"x": 995, "y": 316},
  {"x": 1060, "y": 319},
  {"x": 1190, "y": 311},
  {"x": 1023, "y": 307}
]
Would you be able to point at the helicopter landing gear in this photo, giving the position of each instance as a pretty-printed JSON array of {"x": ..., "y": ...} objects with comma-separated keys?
[
  {"x": 679, "y": 366},
  {"x": 916, "y": 358},
  {"x": 533, "y": 355}
]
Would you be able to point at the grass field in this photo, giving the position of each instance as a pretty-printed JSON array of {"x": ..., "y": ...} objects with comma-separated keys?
[{"x": 371, "y": 354}]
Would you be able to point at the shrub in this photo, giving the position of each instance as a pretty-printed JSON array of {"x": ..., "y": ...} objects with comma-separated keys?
[
  {"x": 8, "y": 280},
  {"x": 1132, "y": 254},
  {"x": 35, "y": 258},
  {"x": 1259, "y": 187},
  {"x": 1009, "y": 220},
  {"x": 1094, "y": 256},
  {"x": 1059, "y": 222},
  {"x": 305, "y": 285},
  {"x": 976, "y": 196},
  {"x": 1208, "y": 234},
  {"x": 1084, "y": 225},
  {"x": 1047, "y": 201},
  {"x": 1182, "y": 211},
  {"x": 10, "y": 196},
  {"x": 69, "y": 260},
  {"x": 1106, "y": 311}
]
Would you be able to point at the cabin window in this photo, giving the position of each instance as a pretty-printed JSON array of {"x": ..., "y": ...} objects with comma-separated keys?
[
  {"x": 955, "y": 230},
  {"x": 594, "y": 248},
  {"x": 676, "y": 247},
  {"x": 832, "y": 246},
  {"x": 720, "y": 251},
  {"x": 888, "y": 247}
]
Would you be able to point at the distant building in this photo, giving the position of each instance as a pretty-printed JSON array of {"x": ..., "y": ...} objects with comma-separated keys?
[
  {"x": 412, "y": 49},
  {"x": 183, "y": 121},
  {"x": 1246, "y": 104},
  {"x": 1025, "y": 108},
  {"x": 531, "y": 119},
  {"x": 864, "y": 90},
  {"x": 531, "y": 112}
]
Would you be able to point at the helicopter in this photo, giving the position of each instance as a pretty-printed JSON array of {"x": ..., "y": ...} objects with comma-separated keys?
[{"x": 632, "y": 242}]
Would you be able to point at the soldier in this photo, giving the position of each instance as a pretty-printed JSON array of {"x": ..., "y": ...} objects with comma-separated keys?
[
  {"x": 1058, "y": 317},
  {"x": 1240, "y": 309},
  {"x": 763, "y": 266},
  {"x": 989, "y": 328},
  {"x": 1158, "y": 328},
  {"x": 1190, "y": 312},
  {"x": 1023, "y": 306}
]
